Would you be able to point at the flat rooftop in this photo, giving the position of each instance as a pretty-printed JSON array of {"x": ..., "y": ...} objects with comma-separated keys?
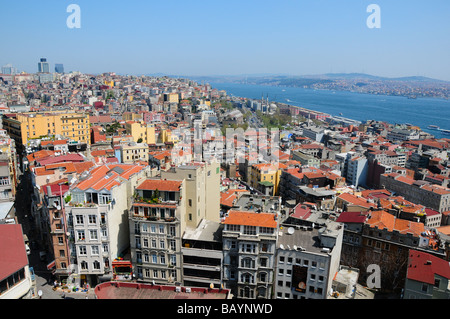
[
  {"x": 207, "y": 230},
  {"x": 304, "y": 238},
  {"x": 126, "y": 290}
]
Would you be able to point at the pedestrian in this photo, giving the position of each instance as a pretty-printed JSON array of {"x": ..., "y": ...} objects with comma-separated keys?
[{"x": 64, "y": 295}]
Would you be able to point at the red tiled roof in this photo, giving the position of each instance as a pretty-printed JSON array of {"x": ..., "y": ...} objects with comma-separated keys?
[
  {"x": 352, "y": 217},
  {"x": 423, "y": 267},
  {"x": 105, "y": 176},
  {"x": 12, "y": 248},
  {"x": 301, "y": 211},
  {"x": 160, "y": 185},
  {"x": 382, "y": 219},
  {"x": 247, "y": 218}
]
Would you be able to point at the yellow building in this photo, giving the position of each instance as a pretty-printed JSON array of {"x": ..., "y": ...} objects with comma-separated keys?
[
  {"x": 265, "y": 178},
  {"x": 171, "y": 97},
  {"x": 32, "y": 125},
  {"x": 109, "y": 83},
  {"x": 134, "y": 152},
  {"x": 166, "y": 136},
  {"x": 130, "y": 116},
  {"x": 141, "y": 130}
]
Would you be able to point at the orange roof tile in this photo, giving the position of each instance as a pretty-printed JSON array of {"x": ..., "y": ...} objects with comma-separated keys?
[
  {"x": 250, "y": 219},
  {"x": 160, "y": 185}
]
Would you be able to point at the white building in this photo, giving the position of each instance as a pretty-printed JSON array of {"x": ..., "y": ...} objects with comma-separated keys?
[
  {"x": 98, "y": 219},
  {"x": 249, "y": 245},
  {"x": 307, "y": 259}
]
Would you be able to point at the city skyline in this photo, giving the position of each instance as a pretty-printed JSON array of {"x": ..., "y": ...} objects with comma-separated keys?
[{"x": 232, "y": 38}]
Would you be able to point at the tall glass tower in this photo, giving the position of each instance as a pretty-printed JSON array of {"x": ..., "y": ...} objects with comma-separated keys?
[
  {"x": 59, "y": 68},
  {"x": 43, "y": 66}
]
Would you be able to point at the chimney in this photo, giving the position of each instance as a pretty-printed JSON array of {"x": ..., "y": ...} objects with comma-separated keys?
[{"x": 49, "y": 191}]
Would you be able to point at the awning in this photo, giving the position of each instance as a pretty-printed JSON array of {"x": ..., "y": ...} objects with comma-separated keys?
[{"x": 51, "y": 265}]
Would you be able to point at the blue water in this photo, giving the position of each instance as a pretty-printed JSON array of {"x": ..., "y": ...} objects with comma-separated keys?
[{"x": 362, "y": 107}]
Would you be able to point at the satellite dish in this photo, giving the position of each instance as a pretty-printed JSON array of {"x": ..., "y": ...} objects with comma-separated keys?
[
  {"x": 281, "y": 246},
  {"x": 295, "y": 247},
  {"x": 40, "y": 293},
  {"x": 291, "y": 230}
]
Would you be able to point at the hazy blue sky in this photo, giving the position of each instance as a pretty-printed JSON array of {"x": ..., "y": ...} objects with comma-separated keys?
[{"x": 200, "y": 37}]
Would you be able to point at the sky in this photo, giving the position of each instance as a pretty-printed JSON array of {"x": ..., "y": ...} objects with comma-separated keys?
[{"x": 246, "y": 37}]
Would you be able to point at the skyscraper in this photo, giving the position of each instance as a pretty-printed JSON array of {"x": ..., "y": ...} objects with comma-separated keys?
[
  {"x": 43, "y": 66},
  {"x": 8, "y": 69},
  {"x": 59, "y": 68}
]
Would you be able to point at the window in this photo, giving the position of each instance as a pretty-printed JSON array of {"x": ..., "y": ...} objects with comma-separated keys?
[
  {"x": 81, "y": 235},
  {"x": 233, "y": 227},
  {"x": 424, "y": 287},
  {"x": 93, "y": 234},
  {"x": 92, "y": 219},
  {"x": 96, "y": 265},
  {"x": 60, "y": 240},
  {"x": 95, "y": 250},
  {"x": 437, "y": 282},
  {"x": 263, "y": 262},
  {"x": 82, "y": 250},
  {"x": 173, "y": 245},
  {"x": 84, "y": 265},
  {"x": 172, "y": 231},
  {"x": 79, "y": 219},
  {"x": 266, "y": 230},
  {"x": 154, "y": 259},
  {"x": 249, "y": 230},
  {"x": 162, "y": 244}
]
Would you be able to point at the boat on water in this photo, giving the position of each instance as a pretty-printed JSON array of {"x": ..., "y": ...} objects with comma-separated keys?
[
  {"x": 288, "y": 100},
  {"x": 433, "y": 127},
  {"x": 447, "y": 132}
]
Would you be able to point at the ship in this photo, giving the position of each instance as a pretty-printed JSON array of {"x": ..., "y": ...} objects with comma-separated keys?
[
  {"x": 447, "y": 132},
  {"x": 433, "y": 127}
]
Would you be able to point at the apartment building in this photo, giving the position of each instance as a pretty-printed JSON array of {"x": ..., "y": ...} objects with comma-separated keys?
[
  {"x": 202, "y": 255},
  {"x": 141, "y": 131},
  {"x": 249, "y": 247},
  {"x": 202, "y": 190},
  {"x": 265, "y": 178},
  {"x": 157, "y": 223},
  {"x": 97, "y": 214},
  {"x": 428, "y": 277},
  {"x": 133, "y": 152},
  {"x": 73, "y": 126},
  {"x": 8, "y": 167},
  {"x": 307, "y": 259},
  {"x": 420, "y": 192}
]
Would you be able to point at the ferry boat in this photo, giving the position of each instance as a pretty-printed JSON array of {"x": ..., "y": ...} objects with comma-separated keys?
[
  {"x": 433, "y": 127},
  {"x": 447, "y": 132}
]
